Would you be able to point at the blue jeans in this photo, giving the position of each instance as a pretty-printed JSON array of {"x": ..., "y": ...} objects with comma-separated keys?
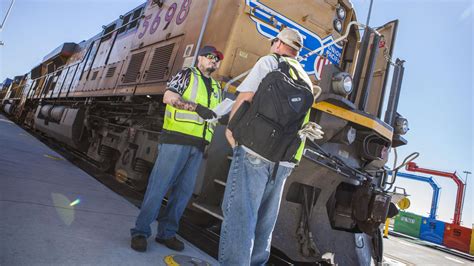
[
  {"x": 250, "y": 208},
  {"x": 176, "y": 169}
]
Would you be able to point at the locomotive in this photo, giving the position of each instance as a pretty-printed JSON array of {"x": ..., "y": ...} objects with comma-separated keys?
[{"x": 102, "y": 97}]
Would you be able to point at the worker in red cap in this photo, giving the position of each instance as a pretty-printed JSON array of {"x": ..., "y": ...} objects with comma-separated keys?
[{"x": 190, "y": 97}]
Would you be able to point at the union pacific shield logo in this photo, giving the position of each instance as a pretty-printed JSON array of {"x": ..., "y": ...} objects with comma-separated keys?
[{"x": 263, "y": 16}]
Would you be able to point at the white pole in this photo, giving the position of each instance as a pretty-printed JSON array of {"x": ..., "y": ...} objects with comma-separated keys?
[
  {"x": 6, "y": 15},
  {"x": 370, "y": 12}
]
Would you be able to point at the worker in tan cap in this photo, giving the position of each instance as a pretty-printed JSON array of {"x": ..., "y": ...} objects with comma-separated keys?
[{"x": 276, "y": 93}]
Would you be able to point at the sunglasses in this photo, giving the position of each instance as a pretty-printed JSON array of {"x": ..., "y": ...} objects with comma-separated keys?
[
  {"x": 274, "y": 41},
  {"x": 213, "y": 57}
]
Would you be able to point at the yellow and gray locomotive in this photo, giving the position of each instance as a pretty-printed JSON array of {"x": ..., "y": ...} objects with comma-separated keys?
[{"x": 103, "y": 98}]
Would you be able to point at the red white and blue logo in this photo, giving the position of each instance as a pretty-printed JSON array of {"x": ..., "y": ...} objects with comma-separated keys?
[{"x": 264, "y": 17}]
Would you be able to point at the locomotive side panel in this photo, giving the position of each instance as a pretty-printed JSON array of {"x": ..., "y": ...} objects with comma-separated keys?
[{"x": 154, "y": 49}]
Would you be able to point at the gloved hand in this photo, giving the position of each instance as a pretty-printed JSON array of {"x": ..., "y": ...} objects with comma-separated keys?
[
  {"x": 311, "y": 131},
  {"x": 224, "y": 120},
  {"x": 205, "y": 112}
]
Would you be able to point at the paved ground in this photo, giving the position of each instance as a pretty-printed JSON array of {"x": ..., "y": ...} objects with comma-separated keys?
[
  {"x": 403, "y": 251},
  {"x": 52, "y": 213}
]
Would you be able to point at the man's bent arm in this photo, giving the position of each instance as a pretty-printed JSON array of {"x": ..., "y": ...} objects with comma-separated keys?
[
  {"x": 243, "y": 96},
  {"x": 174, "y": 99}
]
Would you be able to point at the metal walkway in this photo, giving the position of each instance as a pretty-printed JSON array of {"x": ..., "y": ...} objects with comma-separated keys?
[{"x": 51, "y": 212}]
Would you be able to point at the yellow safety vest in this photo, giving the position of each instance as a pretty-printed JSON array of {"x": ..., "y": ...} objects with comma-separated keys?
[
  {"x": 188, "y": 122},
  {"x": 294, "y": 63}
]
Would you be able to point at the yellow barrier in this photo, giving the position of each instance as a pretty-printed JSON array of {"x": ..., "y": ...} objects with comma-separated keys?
[{"x": 385, "y": 231}]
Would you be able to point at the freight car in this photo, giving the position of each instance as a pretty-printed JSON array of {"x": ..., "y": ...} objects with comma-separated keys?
[{"x": 103, "y": 98}]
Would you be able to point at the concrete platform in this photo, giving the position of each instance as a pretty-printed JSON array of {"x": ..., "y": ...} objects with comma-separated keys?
[
  {"x": 52, "y": 213},
  {"x": 405, "y": 251}
]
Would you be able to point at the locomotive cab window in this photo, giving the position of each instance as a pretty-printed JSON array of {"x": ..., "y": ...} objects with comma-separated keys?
[
  {"x": 125, "y": 20},
  {"x": 131, "y": 17},
  {"x": 107, "y": 32},
  {"x": 136, "y": 15}
]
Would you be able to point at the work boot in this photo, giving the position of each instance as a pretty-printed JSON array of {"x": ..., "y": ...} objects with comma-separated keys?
[
  {"x": 138, "y": 243},
  {"x": 172, "y": 243}
]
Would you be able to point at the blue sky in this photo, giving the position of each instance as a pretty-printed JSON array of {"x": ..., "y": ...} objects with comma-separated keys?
[
  {"x": 434, "y": 37},
  {"x": 436, "y": 40}
]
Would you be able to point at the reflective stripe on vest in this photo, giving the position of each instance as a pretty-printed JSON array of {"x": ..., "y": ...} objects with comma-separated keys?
[
  {"x": 185, "y": 116},
  {"x": 190, "y": 123},
  {"x": 194, "y": 88}
]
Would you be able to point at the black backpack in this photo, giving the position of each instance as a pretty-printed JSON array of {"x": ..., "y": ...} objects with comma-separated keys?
[{"x": 269, "y": 125}]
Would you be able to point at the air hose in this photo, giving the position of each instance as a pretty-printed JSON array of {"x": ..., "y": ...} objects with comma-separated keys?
[
  {"x": 395, "y": 169},
  {"x": 304, "y": 235}
]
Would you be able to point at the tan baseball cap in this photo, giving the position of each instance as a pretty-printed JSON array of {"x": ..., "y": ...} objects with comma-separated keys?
[{"x": 291, "y": 37}]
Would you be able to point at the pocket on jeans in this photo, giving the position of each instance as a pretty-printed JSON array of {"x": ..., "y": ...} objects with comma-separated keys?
[{"x": 254, "y": 161}]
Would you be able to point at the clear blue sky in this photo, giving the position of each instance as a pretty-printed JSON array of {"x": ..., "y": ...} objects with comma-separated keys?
[{"x": 434, "y": 37}]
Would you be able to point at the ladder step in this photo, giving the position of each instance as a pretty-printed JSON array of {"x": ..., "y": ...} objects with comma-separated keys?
[
  {"x": 220, "y": 182},
  {"x": 212, "y": 210}
]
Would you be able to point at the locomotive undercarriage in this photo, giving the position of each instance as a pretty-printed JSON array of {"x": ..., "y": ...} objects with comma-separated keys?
[
  {"x": 317, "y": 204},
  {"x": 120, "y": 135},
  {"x": 124, "y": 139}
]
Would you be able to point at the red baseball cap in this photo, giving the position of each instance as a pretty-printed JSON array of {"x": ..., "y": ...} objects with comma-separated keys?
[{"x": 210, "y": 50}]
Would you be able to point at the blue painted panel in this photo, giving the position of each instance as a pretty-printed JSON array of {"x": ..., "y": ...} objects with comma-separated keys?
[{"x": 432, "y": 230}]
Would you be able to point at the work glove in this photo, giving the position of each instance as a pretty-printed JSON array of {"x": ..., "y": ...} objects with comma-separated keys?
[
  {"x": 224, "y": 120},
  {"x": 205, "y": 112},
  {"x": 311, "y": 131}
]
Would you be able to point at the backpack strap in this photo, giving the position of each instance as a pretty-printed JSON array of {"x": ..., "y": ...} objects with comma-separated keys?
[
  {"x": 282, "y": 64},
  {"x": 285, "y": 66}
]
